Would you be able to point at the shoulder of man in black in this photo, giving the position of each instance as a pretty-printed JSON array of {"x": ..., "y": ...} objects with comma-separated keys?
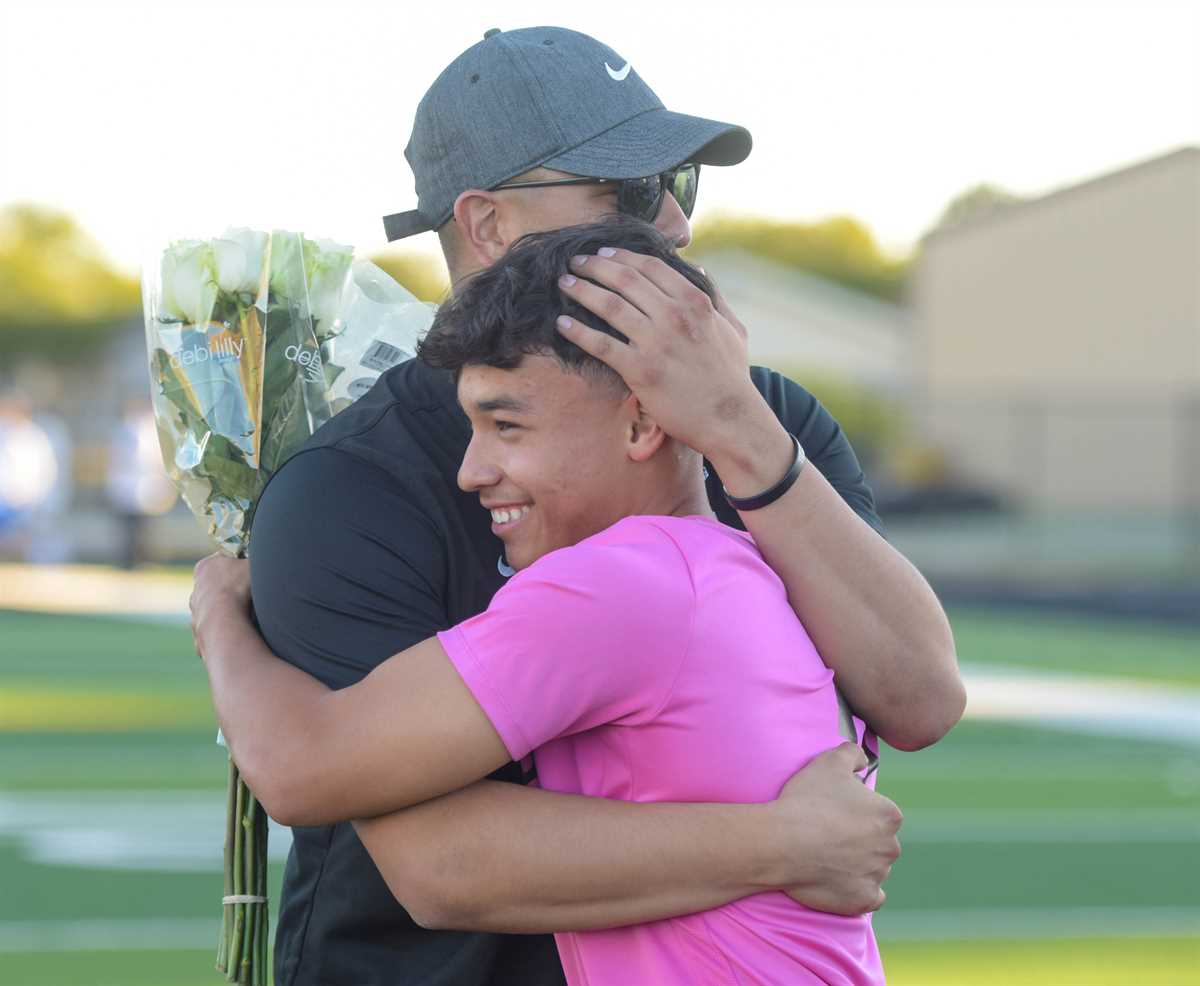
[
  {"x": 351, "y": 543},
  {"x": 825, "y": 444}
]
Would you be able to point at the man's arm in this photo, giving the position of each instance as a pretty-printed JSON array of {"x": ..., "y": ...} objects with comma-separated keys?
[
  {"x": 408, "y": 731},
  {"x": 872, "y": 616}
]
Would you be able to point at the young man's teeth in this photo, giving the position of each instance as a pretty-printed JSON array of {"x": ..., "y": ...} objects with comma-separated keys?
[{"x": 504, "y": 516}]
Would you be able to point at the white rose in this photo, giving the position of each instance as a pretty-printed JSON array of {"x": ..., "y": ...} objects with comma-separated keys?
[
  {"x": 326, "y": 264},
  {"x": 188, "y": 287},
  {"x": 287, "y": 265},
  {"x": 238, "y": 257}
]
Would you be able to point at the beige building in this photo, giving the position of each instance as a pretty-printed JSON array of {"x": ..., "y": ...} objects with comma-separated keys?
[{"x": 1057, "y": 342}]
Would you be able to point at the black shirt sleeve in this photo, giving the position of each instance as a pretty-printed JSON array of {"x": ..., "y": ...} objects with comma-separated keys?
[
  {"x": 346, "y": 568},
  {"x": 823, "y": 441}
]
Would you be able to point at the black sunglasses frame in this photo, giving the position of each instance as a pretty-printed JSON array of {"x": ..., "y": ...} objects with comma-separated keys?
[{"x": 625, "y": 197}]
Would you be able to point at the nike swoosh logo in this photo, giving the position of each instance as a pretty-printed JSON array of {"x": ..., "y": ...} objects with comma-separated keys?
[
  {"x": 504, "y": 569},
  {"x": 618, "y": 75}
]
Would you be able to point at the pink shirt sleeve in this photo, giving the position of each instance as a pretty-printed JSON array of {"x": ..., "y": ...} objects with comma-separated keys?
[{"x": 590, "y": 634}]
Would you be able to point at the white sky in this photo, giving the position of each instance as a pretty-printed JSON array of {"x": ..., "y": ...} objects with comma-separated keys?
[{"x": 183, "y": 117}]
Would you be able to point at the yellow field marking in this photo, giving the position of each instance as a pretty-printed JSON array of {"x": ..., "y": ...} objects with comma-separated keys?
[
  {"x": 1085, "y": 962},
  {"x": 33, "y": 709}
]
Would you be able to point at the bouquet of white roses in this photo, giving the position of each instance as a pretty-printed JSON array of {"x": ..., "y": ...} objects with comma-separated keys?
[{"x": 255, "y": 341}]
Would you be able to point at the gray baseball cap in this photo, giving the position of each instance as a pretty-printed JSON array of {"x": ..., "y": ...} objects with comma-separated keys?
[{"x": 545, "y": 96}]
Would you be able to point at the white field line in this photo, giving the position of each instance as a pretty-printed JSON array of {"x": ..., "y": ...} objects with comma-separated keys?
[
  {"x": 1084, "y": 703},
  {"x": 171, "y": 934},
  {"x": 113, "y": 935},
  {"x": 181, "y": 831},
  {"x": 158, "y": 831}
]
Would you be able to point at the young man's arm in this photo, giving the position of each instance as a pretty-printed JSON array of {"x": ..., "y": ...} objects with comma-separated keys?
[
  {"x": 499, "y": 856},
  {"x": 409, "y": 731},
  {"x": 872, "y": 616}
]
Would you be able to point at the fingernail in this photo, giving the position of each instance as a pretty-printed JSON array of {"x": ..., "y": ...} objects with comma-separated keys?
[
  {"x": 606, "y": 251},
  {"x": 566, "y": 280},
  {"x": 578, "y": 261},
  {"x": 563, "y": 322}
]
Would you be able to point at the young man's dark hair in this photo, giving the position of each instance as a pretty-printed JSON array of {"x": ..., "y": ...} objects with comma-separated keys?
[{"x": 508, "y": 311}]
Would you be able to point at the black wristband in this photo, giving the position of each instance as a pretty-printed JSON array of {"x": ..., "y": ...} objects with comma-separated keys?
[{"x": 776, "y": 491}]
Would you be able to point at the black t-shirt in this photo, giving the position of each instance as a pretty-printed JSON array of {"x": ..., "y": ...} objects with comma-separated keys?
[{"x": 363, "y": 545}]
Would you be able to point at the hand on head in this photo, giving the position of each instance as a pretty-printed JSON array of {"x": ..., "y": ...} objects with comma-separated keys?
[{"x": 686, "y": 358}]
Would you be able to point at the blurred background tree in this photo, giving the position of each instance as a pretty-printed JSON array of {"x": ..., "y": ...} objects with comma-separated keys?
[
  {"x": 977, "y": 202},
  {"x": 60, "y": 296},
  {"x": 841, "y": 249}
]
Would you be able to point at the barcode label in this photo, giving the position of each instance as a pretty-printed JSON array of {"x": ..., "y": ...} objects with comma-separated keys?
[{"x": 381, "y": 356}]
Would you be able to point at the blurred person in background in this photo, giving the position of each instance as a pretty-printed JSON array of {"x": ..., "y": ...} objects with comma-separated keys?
[
  {"x": 363, "y": 545},
  {"x": 35, "y": 482},
  {"x": 137, "y": 485}
]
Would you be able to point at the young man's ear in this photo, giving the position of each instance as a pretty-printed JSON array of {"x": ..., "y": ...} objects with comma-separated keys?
[
  {"x": 481, "y": 239},
  {"x": 645, "y": 435}
]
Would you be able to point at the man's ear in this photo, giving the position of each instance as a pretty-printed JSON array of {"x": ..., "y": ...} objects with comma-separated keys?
[
  {"x": 481, "y": 238},
  {"x": 645, "y": 435}
]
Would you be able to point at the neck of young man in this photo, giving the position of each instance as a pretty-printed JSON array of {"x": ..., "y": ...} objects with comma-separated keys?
[{"x": 681, "y": 496}]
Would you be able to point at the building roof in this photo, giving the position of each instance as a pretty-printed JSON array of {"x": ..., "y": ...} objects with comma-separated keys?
[{"x": 1179, "y": 156}]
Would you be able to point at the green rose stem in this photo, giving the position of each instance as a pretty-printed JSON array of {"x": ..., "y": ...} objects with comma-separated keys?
[
  {"x": 242, "y": 952},
  {"x": 239, "y": 886},
  {"x": 250, "y": 861},
  {"x": 265, "y": 913},
  {"x": 226, "y": 922}
]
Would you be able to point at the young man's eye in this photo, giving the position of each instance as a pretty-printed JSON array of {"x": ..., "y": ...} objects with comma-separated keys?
[{"x": 503, "y": 426}]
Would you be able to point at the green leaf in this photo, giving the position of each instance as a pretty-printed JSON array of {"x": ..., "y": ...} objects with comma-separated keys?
[{"x": 225, "y": 465}]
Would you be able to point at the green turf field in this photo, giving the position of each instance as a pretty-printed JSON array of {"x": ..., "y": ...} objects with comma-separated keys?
[
  {"x": 1121, "y": 648},
  {"x": 1030, "y": 855}
]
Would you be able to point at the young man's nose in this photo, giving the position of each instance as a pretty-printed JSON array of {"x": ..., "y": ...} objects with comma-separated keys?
[
  {"x": 476, "y": 472},
  {"x": 672, "y": 223}
]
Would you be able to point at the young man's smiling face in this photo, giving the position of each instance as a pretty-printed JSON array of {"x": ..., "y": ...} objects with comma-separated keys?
[{"x": 550, "y": 453}]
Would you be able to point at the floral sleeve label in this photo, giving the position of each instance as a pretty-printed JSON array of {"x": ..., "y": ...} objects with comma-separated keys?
[
  {"x": 219, "y": 348},
  {"x": 310, "y": 359}
]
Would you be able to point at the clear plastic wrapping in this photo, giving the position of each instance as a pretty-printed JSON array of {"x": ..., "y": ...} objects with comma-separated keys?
[{"x": 256, "y": 340}]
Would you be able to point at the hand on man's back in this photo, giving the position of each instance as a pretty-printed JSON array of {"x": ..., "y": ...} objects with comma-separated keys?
[{"x": 843, "y": 834}]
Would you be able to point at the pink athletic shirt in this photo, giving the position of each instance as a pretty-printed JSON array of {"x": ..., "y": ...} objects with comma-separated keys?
[{"x": 660, "y": 661}]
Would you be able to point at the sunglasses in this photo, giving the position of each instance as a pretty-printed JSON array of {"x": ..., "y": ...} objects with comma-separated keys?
[{"x": 641, "y": 198}]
